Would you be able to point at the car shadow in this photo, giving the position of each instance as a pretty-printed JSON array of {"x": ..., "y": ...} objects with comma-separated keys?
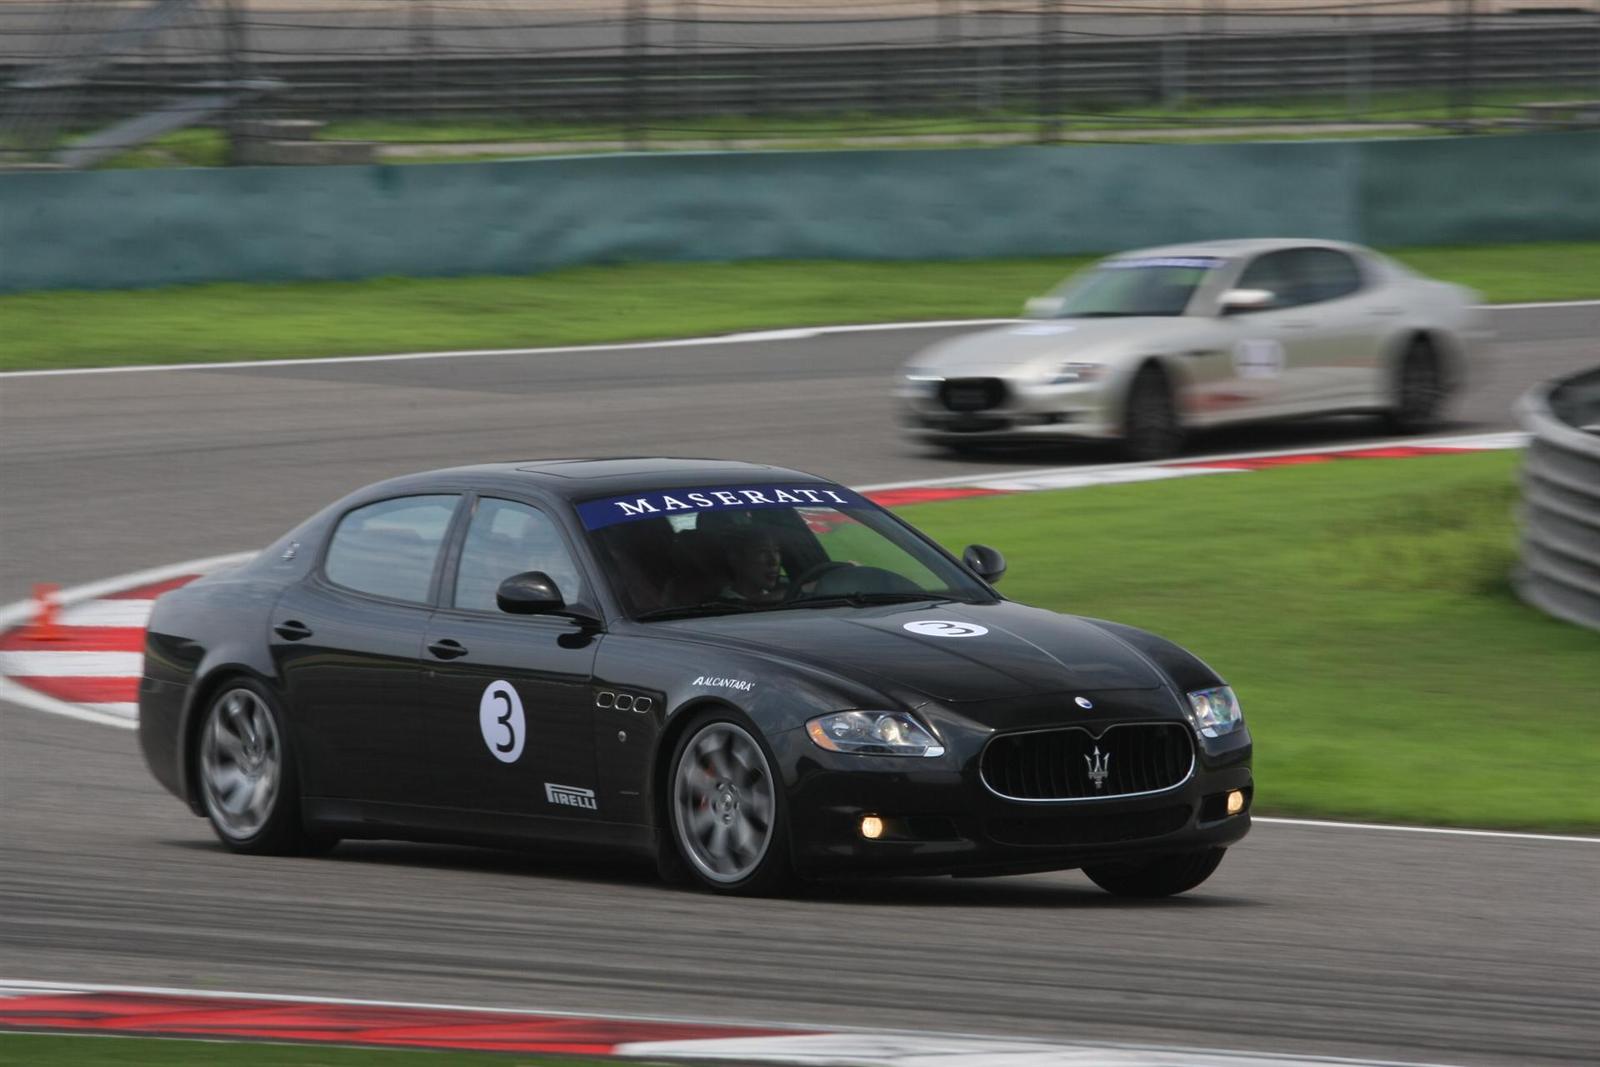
[
  {"x": 1330, "y": 431},
  {"x": 600, "y": 867}
]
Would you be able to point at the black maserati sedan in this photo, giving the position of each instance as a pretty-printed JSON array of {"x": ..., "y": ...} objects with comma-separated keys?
[{"x": 745, "y": 672}]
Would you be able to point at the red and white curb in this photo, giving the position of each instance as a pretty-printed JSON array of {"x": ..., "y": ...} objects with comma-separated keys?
[
  {"x": 62, "y": 1008},
  {"x": 90, "y": 669}
]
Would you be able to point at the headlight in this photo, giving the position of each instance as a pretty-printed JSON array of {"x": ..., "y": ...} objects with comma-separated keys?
[
  {"x": 874, "y": 733},
  {"x": 1077, "y": 372},
  {"x": 1215, "y": 711},
  {"x": 923, "y": 381}
]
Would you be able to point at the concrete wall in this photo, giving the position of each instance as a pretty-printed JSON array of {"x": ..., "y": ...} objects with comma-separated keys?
[{"x": 116, "y": 229}]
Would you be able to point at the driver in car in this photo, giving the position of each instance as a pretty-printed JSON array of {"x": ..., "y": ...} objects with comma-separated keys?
[{"x": 755, "y": 567}]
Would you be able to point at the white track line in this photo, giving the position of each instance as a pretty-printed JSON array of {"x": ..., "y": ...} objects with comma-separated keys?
[
  {"x": 110, "y": 613},
  {"x": 852, "y": 1044},
  {"x": 1451, "y": 830},
  {"x": 749, "y": 337},
  {"x": 51, "y": 664},
  {"x": 799, "y": 333}
]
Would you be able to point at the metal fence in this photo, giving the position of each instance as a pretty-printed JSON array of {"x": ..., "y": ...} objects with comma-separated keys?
[
  {"x": 1559, "y": 571},
  {"x": 663, "y": 71}
]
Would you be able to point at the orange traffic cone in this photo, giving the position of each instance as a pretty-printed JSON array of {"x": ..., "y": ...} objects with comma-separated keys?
[{"x": 45, "y": 625}]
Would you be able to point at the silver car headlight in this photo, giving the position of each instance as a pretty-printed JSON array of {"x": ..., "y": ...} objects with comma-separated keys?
[
  {"x": 1077, "y": 372},
  {"x": 1215, "y": 711},
  {"x": 923, "y": 382},
  {"x": 874, "y": 733}
]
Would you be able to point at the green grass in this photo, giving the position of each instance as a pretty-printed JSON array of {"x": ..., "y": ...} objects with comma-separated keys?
[
  {"x": 1362, "y": 611},
  {"x": 206, "y": 323},
  {"x": 1422, "y": 106},
  {"x": 35, "y": 1050}
]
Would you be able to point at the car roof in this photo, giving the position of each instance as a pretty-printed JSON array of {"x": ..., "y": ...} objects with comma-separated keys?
[
  {"x": 581, "y": 478},
  {"x": 1237, "y": 248}
]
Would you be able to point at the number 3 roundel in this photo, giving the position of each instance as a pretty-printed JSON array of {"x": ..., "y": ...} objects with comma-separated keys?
[{"x": 500, "y": 719}]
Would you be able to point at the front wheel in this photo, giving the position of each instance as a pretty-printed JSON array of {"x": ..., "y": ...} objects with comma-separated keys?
[
  {"x": 247, "y": 781},
  {"x": 727, "y": 809},
  {"x": 1158, "y": 876},
  {"x": 1151, "y": 428}
]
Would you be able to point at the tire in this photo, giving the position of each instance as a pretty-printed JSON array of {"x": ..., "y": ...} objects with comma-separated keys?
[
  {"x": 726, "y": 812},
  {"x": 1418, "y": 390},
  {"x": 246, "y": 775},
  {"x": 1150, "y": 425},
  {"x": 1159, "y": 876}
]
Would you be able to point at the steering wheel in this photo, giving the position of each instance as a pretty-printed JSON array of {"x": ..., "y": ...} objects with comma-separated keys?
[{"x": 811, "y": 574}]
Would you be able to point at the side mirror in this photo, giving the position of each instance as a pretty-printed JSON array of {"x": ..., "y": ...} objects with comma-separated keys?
[
  {"x": 529, "y": 593},
  {"x": 1238, "y": 301},
  {"x": 1043, "y": 307},
  {"x": 987, "y": 563}
]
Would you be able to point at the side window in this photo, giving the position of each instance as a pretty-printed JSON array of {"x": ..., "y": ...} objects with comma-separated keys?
[
  {"x": 1327, "y": 273},
  {"x": 1275, "y": 273},
  {"x": 389, "y": 548},
  {"x": 506, "y": 538}
]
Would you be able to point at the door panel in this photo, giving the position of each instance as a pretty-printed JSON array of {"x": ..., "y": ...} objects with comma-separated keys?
[
  {"x": 346, "y": 642},
  {"x": 351, "y": 688},
  {"x": 509, "y": 716}
]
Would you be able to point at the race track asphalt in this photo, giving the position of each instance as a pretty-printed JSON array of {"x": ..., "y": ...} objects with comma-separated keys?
[{"x": 1308, "y": 940}]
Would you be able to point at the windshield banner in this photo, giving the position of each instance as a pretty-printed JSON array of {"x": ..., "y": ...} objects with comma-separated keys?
[{"x": 597, "y": 514}]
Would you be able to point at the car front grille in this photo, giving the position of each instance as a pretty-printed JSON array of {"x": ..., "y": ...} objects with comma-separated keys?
[
  {"x": 971, "y": 394},
  {"x": 1072, "y": 764},
  {"x": 1088, "y": 827}
]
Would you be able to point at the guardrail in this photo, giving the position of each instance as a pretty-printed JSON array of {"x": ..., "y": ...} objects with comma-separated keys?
[{"x": 1560, "y": 568}]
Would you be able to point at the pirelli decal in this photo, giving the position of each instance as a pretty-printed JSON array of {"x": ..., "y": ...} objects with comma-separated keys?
[{"x": 609, "y": 511}]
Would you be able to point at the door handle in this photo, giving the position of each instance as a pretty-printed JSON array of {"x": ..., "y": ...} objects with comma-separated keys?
[
  {"x": 1301, "y": 325},
  {"x": 447, "y": 649},
  {"x": 292, "y": 630},
  {"x": 1384, "y": 312}
]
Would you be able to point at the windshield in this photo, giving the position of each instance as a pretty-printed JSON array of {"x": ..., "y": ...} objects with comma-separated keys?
[
  {"x": 725, "y": 550},
  {"x": 1151, "y": 285}
]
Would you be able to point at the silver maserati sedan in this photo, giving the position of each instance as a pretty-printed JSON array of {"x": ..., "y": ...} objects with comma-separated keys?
[{"x": 1146, "y": 346}]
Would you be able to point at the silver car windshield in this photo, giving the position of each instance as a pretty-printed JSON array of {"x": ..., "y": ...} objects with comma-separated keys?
[{"x": 1160, "y": 286}]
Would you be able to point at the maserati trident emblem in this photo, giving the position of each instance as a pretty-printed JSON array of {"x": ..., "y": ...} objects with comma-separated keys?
[{"x": 1098, "y": 767}]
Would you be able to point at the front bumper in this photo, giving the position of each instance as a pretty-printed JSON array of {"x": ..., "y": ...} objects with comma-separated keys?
[
  {"x": 1029, "y": 411},
  {"x": 943, "y": 820}
]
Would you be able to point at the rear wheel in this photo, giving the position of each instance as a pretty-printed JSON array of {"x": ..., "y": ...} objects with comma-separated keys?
[
  {"x": 1150, "y": 425},
  {"x": 247, "y": 781},
  {"x": 1418, "y": 390},
  {"x": 727, "y": 811},
  {"x": 1158, "y": 876}
]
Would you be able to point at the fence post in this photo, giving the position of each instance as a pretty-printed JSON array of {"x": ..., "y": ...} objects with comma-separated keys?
[
  {"x": 233, "y": 61},
  {"x": 686, "y": 43},
  {"x": 1049, "y": 70},
  {"x": 422, "y": 52},
  {"x": 1461, "y": 83},
  {"x": 636, "y": 27}
]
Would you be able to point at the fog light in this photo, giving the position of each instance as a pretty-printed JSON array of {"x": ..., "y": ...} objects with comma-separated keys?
[
  {"x": 872, "y": 827},
  {"x": 1235, "y": 802}
]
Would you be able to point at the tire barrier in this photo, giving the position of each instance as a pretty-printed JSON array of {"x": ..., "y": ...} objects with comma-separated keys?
[{"x": 1559, "y": 571}]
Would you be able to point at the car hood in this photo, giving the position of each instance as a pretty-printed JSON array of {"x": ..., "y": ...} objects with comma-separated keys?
[
  {"x": 1021, "y": 651},
  {"x": 1047, "y": 340}
]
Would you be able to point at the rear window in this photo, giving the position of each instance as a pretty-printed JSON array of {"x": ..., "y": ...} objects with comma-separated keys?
[{"x": 389, "y": 549}]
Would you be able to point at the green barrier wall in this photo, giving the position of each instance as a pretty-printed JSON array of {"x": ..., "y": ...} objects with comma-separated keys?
[{"x": 116, "y": 229}]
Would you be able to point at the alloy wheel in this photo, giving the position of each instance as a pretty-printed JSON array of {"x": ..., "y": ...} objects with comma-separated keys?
[
  {"x": 241, "y": 763},
  {"x": 724, "y": 807}
]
